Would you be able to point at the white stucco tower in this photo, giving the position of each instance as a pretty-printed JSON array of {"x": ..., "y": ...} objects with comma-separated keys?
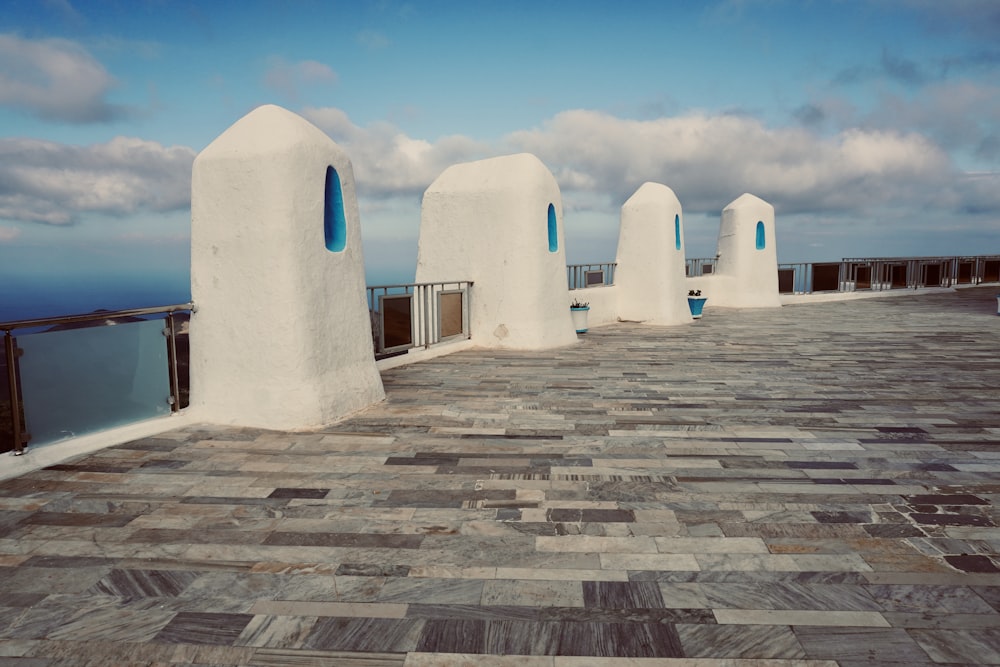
[
  {"x": 498, "y": 222},
  {"x": 650, "y": 272},
  {"x": 748, "y": 258},
  {"x": 282, "y": 337}
]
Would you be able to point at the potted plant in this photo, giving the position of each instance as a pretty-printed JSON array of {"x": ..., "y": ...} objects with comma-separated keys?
[
  {"x": 696, "y": 302},
  {"x": 578, "y": 310}
]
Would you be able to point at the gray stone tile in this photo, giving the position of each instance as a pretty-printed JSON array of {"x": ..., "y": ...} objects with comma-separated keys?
[
  {"x": 953, "y": 599},
  {"x": 740, "y": 642},
  {"x": 976, "y": 647},
  {"x": 758, "y": 489},
  {"x": 866, "y": 645},
  {"x": 198, "y": 628},
  {"x": 432, "y": 591},
  {"x": 385, "y": 635}
]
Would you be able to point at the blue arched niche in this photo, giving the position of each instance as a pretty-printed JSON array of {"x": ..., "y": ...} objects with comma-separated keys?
[
  {"x": 677, "y": 231},
  {"x": 334, "y": 223},
  {"x": 760, "y": 235},
  {"x": 553, "y": 230}
]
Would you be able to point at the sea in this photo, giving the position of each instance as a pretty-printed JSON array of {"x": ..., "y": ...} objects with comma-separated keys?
[
  {"x": 24, "y": 299},
  {"x": 29, "y": 298}
]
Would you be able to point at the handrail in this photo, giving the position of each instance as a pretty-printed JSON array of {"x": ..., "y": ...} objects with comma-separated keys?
[
  {"x": 417, "y": 320},
  {"x": 595, "y": 274},
  {"x": 886, "y": 273},
  {"x": 11, "y": 352},
  {"x": 920, "y": 257},
  {"x": 696, "y": 266},
  {"x": 436, "y": 282},
  {"x": 95, "y": 316}
]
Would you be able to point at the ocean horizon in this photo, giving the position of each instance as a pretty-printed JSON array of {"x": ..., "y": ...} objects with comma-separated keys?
[{"x": 35, "y": 297}]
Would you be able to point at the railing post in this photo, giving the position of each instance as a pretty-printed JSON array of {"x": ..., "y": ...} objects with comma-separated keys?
[
  {"x": 428, "y": 290},
  {"x": 175, "y": 385},
  {"x": 467, "y": 311},
  {"x": 15, "y": 403}
]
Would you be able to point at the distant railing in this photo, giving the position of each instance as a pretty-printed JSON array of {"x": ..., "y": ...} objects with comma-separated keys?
[
  {"x": 582, "y": 276},
  {"x": 700, "y": 266},
  {"x": 885, "y": 273},
  {"x": 798, "y": 278},
  {"x": 76, "y": 374},
  {"x": 418, "y": 315}
]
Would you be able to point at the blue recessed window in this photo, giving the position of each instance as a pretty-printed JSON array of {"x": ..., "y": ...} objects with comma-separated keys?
[
  {"x": 553, "y": 230},
  {"x": 334, "y": 223},
  {"x": 677, "y": 231},
  {"x": 760, "y": 235}
]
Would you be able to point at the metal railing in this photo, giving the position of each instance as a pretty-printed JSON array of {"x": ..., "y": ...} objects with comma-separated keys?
[
  {"x": 806, "y": 278},
  {"x": 885, "y": 273},
  {"x": 848, "y": 275},
  {"x": 418, "y": 315},
  {"x": 41, "y": 371},
  {"x": 700, "y": 266},
  {"x": 582, "y": 276}
]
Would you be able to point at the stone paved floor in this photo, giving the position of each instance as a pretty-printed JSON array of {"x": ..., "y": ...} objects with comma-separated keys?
[{"x": 815, "y": 485}]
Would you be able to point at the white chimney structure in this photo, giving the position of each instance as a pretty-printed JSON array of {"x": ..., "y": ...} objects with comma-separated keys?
[
  {"x": 747, "y": 269},
  {"x": 650, "y": 277},
  {"x": 282, "y": 337},
  {"x": 499, "y": 223}
]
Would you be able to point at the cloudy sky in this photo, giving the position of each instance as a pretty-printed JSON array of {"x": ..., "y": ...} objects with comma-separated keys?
[{"x": 873, "y": 126}]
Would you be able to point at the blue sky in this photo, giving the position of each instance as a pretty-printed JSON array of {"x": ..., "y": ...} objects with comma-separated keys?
[{"x": 873, "y": 126}]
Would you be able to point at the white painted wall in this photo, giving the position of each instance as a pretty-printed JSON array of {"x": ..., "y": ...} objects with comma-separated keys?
[
  {"x": 650, "y": 273},
  {"x": 281, "y": 338},
  {"x": 487, "y": 221},
  {"x": 745, "y": 276},
  {"x": 603, "y": 302}
]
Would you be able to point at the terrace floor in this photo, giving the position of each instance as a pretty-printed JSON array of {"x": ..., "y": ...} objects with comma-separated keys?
[{"x": 813, "y": 485}]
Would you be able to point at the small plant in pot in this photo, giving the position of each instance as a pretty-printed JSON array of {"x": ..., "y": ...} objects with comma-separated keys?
[
  {"x": 696, "y": 303},
  {"x": 578, "y": 311}
]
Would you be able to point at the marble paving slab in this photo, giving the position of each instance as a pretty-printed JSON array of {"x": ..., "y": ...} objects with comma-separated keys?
[{"x": 811, "y": 486}]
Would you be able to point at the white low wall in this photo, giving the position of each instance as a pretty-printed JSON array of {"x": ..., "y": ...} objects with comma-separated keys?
[{"x": 603, "y": 303}]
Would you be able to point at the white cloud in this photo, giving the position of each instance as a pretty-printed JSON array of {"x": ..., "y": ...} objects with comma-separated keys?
[
  {"x": 8, "y": 234},
  {"x": 598, "y": 159},
  {"x": 870, "y": 179},
  {"x": 289, "y": 78},
  {"x": 54, "y": 79},
  {"x": 710, "y": 160},
  {"x": 52, "y": 183},
  {"x": 386, "y": 161}
]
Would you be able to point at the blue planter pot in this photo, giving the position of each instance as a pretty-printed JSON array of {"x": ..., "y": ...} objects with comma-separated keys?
[{"x": 696, "y": 304}]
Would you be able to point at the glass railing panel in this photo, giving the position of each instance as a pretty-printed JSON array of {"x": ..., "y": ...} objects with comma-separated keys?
[
  {"x": 418, "y": 315},
  {"x": 991, "y": 271},
  {"x": 81, "y": 380},
  {"x": 826, "y": 277},
  {"x": 581, "y": 276},
  {"x": 450, "y": 311},
  {"x": 786, "y": 281},
  {"x": 397, "y": 321}
]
